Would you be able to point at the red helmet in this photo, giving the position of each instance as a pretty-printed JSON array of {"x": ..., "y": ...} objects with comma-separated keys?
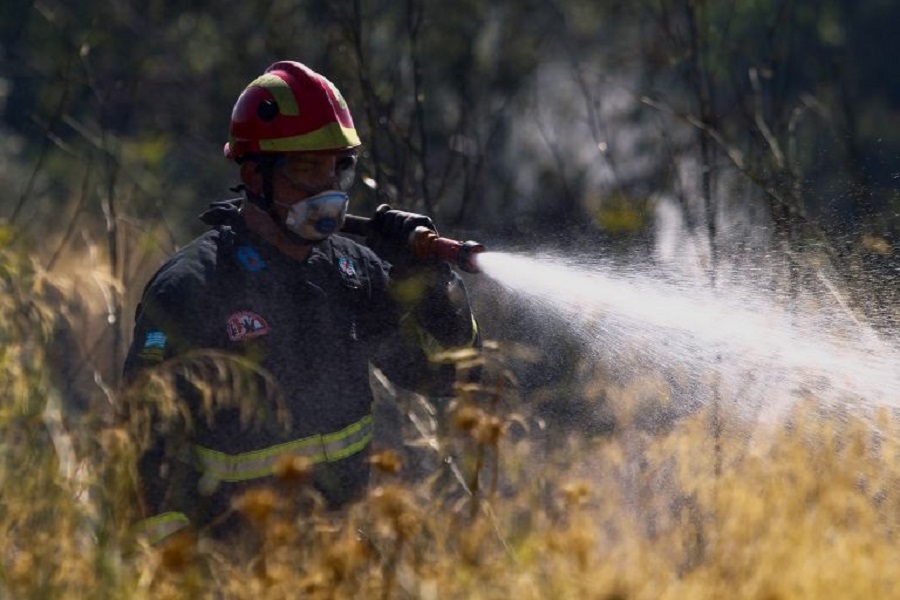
[{"x": 289, "y": 108}]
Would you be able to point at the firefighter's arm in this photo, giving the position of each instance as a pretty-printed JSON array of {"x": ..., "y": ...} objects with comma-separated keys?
[
  {"x": 156, "y": 339},
  {"x": 433, "y": 299},
  {"x": 434, "y": 313}
]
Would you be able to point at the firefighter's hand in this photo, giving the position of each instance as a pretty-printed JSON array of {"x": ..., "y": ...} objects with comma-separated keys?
[{"x": 390, "y": 236}]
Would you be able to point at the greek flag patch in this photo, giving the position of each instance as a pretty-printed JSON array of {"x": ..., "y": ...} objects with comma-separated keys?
[
  {"x": 154, "y": 346},
  {"x": 155, "y": 339}
]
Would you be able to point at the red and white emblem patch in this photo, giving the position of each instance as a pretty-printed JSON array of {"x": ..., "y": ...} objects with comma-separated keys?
[{"x": 245, "y": 324}]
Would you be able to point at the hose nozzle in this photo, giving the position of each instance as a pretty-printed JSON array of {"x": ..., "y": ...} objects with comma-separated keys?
[{"x": 427, "y": 244}]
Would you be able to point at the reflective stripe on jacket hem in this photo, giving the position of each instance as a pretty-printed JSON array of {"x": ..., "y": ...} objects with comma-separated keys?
[
  {"x": 329, "y": 447},
  {"x": 161, "y": 526}
]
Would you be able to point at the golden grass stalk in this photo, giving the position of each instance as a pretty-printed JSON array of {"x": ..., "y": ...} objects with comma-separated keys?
[{"x": 807, "y": 506}]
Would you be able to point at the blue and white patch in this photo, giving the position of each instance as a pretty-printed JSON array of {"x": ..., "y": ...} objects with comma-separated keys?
[
  {"x": 154, "y": 346},
  {"x": 250, "y": 259},
  {"x": 155, "y": 339}
]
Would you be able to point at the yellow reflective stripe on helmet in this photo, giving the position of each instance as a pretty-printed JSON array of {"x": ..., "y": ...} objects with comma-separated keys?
[
  {"x": 284, "y": 96},
  {"x": 161, "y": 526},
  {"x": 333, "y": 136},
  {"x": 317, "y": 448}
]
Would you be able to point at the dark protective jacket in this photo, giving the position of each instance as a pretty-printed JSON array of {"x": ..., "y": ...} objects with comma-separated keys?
[{"x": 303, "y": 334}]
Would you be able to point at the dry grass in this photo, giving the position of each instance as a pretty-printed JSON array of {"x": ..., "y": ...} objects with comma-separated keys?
[{"x": 804, "y": 508}]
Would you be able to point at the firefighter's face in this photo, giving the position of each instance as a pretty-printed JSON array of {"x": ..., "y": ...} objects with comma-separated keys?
[
  {"x": 300, "y": 175},
  {"x": 321, "y": 178},
  {"x": 309, "y": 193}
]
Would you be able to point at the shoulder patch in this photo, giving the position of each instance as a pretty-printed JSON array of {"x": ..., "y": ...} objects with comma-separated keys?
[
  {"x": 245, "y": 324},
  {"x": 250, "y": 259},
  {"x": 346, "y": 266},
  {"x": 154, "y": 346}
]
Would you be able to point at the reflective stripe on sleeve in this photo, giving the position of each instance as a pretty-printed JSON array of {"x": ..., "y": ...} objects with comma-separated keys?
[
  {"x": 161, "y": 526},
  {"x": 317, "y": 448},
  {"x": 474, "y": 333}
]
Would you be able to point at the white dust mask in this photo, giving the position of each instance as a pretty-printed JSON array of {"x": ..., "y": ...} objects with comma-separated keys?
[{"x": 317, "y": 217}]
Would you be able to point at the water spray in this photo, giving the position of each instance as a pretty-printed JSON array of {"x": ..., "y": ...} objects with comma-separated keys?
[
  {"x": 426, "y": 243},
  {"x": 765, "y": 349},
  {"x": 738, "y": 338}
]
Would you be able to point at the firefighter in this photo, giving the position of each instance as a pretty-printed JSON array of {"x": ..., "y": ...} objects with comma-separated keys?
[{"x": 272, "y": 284}]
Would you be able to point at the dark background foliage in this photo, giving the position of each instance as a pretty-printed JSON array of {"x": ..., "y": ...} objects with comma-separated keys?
[{"x": 522, "y": 124}]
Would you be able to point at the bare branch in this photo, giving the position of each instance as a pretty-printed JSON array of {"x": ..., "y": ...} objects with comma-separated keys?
[
  {"x": 736, "y": 156},
  {"x": 760, "y": 120},
  {"x": 415, "y": 14},
  {"x": 73, "y": 220},
  {"x": 58, "y": 113}
]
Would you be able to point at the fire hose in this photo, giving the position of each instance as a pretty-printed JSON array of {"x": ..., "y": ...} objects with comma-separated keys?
[{"x": 426, "y": 243}]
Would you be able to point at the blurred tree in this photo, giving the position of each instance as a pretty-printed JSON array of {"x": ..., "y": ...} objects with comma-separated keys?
[{"x": 513, "y": 118}]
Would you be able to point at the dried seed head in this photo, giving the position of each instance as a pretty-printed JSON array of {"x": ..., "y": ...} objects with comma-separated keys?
[
  {"x": 257, "y": 505},
  {"x": 178, "y": 550},
  {"x": 387, "y": 461},
  {"x": 489, "y": 431},
  {"x": 467, "y": 418},
  {"x": 576, "y": 493},
  {"x": 115, "y": 440},
  {"x": 281, "y": 532},
  {"x": 22, "y": 570},
  {"x": 395, "y": 511},
  {"x": 409, "y": 525},
  {"x": 343, "y": 557},
  {"x": 313, "y": 584},
  {"x": 293, "y": 470},
  {"x": 390, "y": 501}
]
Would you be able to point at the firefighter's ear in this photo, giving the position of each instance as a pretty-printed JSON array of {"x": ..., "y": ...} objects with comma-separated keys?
[{"x": 251, "y": 177}]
